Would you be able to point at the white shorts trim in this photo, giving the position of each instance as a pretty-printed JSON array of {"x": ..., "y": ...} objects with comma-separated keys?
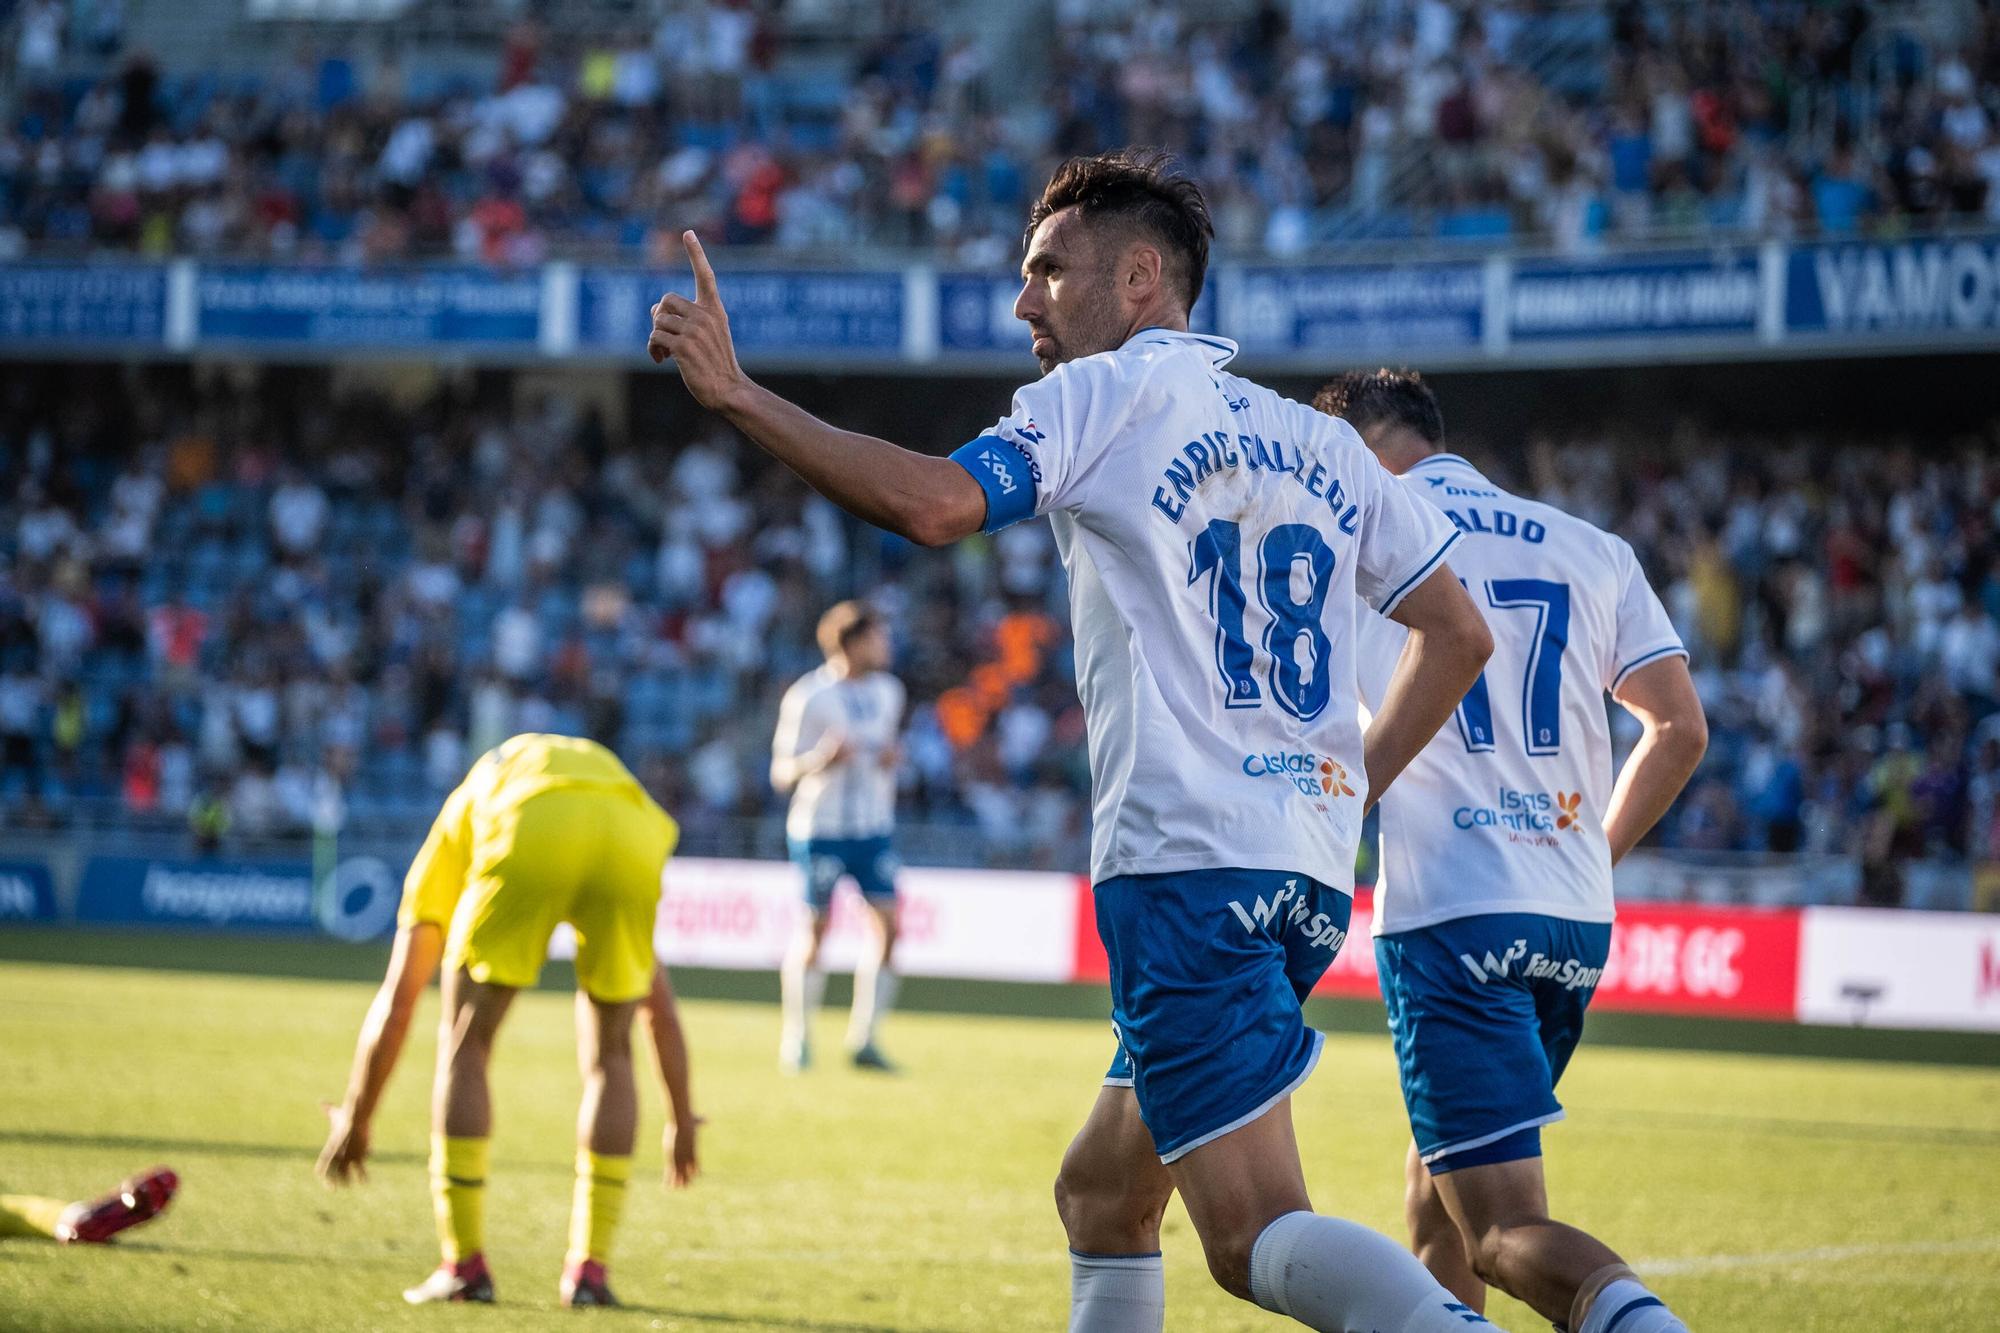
[
  {"x": 1468, "y": 1145},
  {"x": 1312, "y": 1063}
]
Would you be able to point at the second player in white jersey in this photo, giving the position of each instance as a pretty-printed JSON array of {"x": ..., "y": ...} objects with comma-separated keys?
[
  {"x": 855, "y": 795},
  {"x": 1494, "y": 911},
  {"x": 1504, "y": 810}
]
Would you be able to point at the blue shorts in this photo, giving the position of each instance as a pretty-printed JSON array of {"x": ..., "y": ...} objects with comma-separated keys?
[
  {"x": 823, "y": 862},
  {"x": 1486, "y": 1011},
  {"x": 1208, "y": 968}
]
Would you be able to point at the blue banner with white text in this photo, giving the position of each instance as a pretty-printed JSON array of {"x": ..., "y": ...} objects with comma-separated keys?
[
  {"x": 1726, "y": 301},
  {"x": 358, "y": 901},
  {"x": 1665, "y": 297},
  {"x": 1356, "y": 310},
  {"x": 1947, "y": 286},
  {"x": 27, "y": 892},
  {"x": 356, "y": 308},
  {"x": 83, "y": 303},
  {"x": 769, "y": 310}
]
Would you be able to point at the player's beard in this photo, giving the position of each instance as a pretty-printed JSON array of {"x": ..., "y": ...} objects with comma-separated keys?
[{"x": 1092, "y": 324}]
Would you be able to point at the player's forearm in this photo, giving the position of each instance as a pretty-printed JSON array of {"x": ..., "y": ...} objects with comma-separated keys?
[
  {"x": 1654, "y": 775},
  {"x": 1430, "y": 679},
  {"x": 413, "y": 961},
  {"x": 788, "y": 771},
  {"x": 376, "y": 1054},
  {"x": 914, "y": 495},
  {"x": 670, "y": 1047},
  {"x": 1447, "y": 649}
]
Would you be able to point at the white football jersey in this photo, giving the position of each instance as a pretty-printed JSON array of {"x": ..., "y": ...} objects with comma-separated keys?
[
  {"x": 856, "y": 797},
  {"x": 1216, "y": 536},
  {"x": 1504, "y": 810}
]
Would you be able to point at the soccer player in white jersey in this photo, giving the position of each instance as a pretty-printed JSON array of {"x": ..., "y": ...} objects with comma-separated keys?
[
  {"x": 1218, "y": 540},
  {"x": 836, "y": 752},
  {"x": 1493, "y": 916}
]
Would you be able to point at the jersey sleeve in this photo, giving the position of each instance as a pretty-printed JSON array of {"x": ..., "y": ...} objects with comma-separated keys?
[
  {"x": 1402, "y": 538},
  {"x": 799, "y": 724},
  {"x": 436, "y": 877},
  {"x": 1040, "y": 456},
  {"x": 1644, "y": 633}
]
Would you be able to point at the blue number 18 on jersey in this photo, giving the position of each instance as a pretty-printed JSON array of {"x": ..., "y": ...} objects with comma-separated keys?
[{"x": 1290, "y": 556}]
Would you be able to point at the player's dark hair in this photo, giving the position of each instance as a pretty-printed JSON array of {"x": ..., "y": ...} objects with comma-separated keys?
[
  {"x": 843, "y": 623},
  {"x": 1365, "y": 398},
  {"x": 1143, "y": 189}
]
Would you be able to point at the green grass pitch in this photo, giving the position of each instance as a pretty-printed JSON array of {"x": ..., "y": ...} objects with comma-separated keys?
[{"x": 1761, "y": 1192}]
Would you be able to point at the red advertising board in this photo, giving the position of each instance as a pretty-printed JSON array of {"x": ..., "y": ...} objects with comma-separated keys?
[{"x": 1734, "y": 962}]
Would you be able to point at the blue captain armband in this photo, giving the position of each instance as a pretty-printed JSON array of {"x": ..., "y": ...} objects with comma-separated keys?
[{"x": 1006, "y": 474}]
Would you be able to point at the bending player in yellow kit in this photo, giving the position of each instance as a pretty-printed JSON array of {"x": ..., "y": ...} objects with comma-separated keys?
[{"x": 544, "y": 829}]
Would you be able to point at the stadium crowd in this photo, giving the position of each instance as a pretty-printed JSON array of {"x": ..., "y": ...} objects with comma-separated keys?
[
  {"x": 198, "y": 626},
  {"x": 1323, "y": 121}
]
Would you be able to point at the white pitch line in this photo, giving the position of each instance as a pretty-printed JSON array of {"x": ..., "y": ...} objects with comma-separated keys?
[
  {"x": 862, "y": 1257},
  {"x": 1649, "y": 1267},
  {"x": 1824, "y": 1254},
  {"x": 1704, "y": 1263}
]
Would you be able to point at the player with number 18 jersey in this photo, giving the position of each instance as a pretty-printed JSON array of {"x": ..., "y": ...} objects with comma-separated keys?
[
  {"x": 1219, "y": 541},
  {"x": 1216, "y": 536}
]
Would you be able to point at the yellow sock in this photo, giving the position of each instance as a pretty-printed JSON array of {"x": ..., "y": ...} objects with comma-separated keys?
[
  {"x": 30, "y": 1215},
  {"x": 600, "y": 1199},
  {"x": 458, "y": 1193}
]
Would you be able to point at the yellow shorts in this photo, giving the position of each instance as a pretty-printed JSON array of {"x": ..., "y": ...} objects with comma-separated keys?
[{"x": 589, "y": 855}]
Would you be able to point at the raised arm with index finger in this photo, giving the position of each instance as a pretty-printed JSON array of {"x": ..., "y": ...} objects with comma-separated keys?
[{"x": 930, "y": 500}]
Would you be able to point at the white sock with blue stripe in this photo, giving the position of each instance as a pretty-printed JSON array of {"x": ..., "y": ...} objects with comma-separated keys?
[
  {"x": 1623, "y": 1305},
  {"x": 1339, "y": 1276},
  {"x": 1117, "y": 1293}
]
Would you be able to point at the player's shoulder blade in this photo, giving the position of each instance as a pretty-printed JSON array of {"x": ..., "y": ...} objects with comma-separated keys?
[{"x": 811, "y": 683}]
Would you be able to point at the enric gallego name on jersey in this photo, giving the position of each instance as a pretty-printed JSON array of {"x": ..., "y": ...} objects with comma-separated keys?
[
  {"x": 1321, "y": 930},
  {"x": 1222, "y": 451}
]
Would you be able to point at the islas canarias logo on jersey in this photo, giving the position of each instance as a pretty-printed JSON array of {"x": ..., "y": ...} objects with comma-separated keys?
[
  {"x": 1545, "y": 812},
  {"x": 1569, "y": 803},
  {"x": 1313, "y": 774}
]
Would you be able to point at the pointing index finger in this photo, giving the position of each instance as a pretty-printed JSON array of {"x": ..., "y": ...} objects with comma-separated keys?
[{"x": 704, "y": 276}]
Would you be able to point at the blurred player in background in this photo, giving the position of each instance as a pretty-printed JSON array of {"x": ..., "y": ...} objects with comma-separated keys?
[
  {"x": 836, "y": 752},
  {"x": 1227, "y": 763},
  {"x": 544, "y": 829},
  {"x": 1493, "y": 915},
  {"x": 88, "y": 1221}
]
